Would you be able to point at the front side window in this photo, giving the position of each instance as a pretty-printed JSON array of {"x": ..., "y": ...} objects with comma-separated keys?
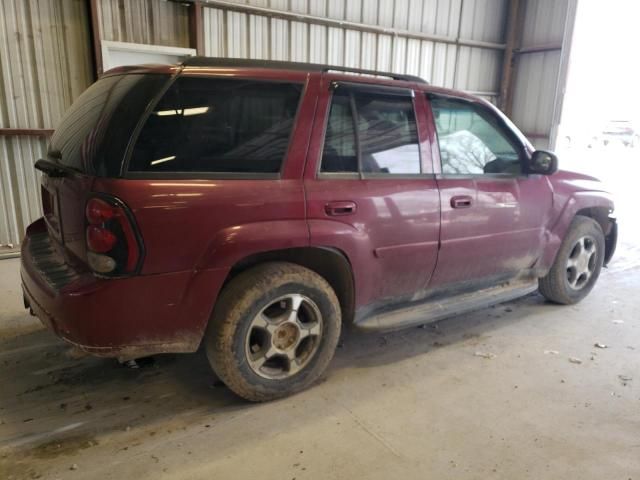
[
  {"x": 218, "y": 125},
  {"x": 371, "y": 133},
  {"x": 472, "y": 141}
]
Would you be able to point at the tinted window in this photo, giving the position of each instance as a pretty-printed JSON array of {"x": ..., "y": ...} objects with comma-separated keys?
[
  {"x": 218, "y": 125},
  {"x": 94, "y": 133},
  {"x": 471, "y": 140},
  {"x": 339, "y": 153},
  {"x": 386, "y": 140},
  {"x": 387, "y": 134}
]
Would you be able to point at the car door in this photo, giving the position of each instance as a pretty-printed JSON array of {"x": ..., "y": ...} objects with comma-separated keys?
[
  {"x": 370, "y": 188},
  {"x": 493, "y": 214}
]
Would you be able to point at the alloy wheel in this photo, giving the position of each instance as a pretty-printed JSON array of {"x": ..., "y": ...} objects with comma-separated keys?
[
  {"x": 581, "y": 263},
  {"x": 283, "y": 337}
]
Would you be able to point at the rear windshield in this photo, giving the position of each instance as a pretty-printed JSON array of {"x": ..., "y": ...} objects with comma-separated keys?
[
  {"x": 94, "y": 133},
  {"x": 218, "y": 125}
]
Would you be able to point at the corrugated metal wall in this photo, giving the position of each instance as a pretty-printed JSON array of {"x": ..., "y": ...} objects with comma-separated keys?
[
  {"x": 45, "y": 57},
  {"x": 45, "y": 60},
  {"x": 153, "y": 22},
  {"x": 44, "y": 64},
  {"x": 539, "y": 78},
  {"x": 231, "y": 33}
]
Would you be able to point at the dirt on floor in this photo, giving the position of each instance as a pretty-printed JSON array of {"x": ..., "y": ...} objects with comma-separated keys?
[{"x": 516, "y": 391}]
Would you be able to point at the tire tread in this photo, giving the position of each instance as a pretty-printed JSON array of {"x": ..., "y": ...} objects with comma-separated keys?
[
  {"x": 238, "y": 297},
  {"x": 553, "y": 285}
]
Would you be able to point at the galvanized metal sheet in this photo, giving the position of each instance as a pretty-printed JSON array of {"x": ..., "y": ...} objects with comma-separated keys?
[
  {"x": 534, "y": 93},
  {"x": 44, "y": 65},
  {"x": 154, "y": 22},
  {"x": 45, "y": 58},
  {"x": 540, "y": 76},
  {"x": 259, "y": 35},
  {"x": 545, "y": 22}
]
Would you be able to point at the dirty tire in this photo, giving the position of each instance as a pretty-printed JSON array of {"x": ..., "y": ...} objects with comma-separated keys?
[
  {"x": 555, "y": 286},
  {"x": 242, "y": 300}
]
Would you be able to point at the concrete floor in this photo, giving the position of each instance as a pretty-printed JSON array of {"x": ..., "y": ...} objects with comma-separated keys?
[
  {"x": 414, "y": 404},
  {"x": 421, "y": 403}
]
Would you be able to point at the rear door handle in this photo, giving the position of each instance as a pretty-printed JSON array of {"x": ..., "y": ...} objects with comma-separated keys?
[
  {"x": 336, "y": 209},
  {"x": 461, "y": 201}
]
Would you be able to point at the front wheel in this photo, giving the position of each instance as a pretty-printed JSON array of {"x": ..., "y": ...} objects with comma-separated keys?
[
  {"x": 577, "y": 265},
  {"x": 274, "y": 331}
]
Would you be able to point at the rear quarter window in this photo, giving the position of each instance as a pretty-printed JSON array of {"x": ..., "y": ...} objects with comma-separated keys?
[
  {"x": 93, "y": 135},
  {"x": 217, "y": 125}
]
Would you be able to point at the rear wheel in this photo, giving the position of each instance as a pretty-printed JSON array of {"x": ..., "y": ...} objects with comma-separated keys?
[
  {"x": 577, "y": 265},
  {"x": 274, "y": 331}
]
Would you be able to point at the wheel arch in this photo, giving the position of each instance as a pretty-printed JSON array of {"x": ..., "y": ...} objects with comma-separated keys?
[
  {"x": 595, "y": 205},
  {"x": 599, "y": 214},
  {"x": 608, "y": 225},
  {"x": 330, "y": 263}
]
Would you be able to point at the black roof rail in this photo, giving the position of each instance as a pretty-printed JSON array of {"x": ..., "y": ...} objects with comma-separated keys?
[{"x": 305, "y": 67}]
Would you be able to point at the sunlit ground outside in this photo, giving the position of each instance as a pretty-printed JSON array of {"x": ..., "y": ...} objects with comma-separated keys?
[{"x": 604, "y": 86}]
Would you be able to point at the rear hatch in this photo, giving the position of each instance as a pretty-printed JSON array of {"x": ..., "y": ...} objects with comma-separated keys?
[{"x": 91, "y": 141}]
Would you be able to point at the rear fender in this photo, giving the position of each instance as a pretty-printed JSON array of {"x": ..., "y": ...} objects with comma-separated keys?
[
  {"x": 234, "y": 243},
  {"x": 227, "y": 248}
]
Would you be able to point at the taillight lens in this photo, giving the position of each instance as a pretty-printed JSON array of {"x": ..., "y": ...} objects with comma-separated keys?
[
  {"x": 98, "y": 211},
  {"x": 99, "y": 239},
  {"x": 112, "y": 244}
]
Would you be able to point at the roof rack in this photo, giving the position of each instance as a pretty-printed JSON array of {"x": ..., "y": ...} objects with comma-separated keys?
[{"x": 306, "y": 67}]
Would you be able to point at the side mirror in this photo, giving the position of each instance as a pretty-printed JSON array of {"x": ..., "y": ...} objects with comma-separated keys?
[{"x": 543, "y": 162}]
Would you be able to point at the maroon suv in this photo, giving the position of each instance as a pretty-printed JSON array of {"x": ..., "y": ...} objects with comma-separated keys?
[{"x": 256, "y": 207}]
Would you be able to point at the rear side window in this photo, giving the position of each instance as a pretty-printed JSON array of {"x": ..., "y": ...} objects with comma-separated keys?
[
  {"x": 371, "y": 132},
  {"x": 218, "y": 126},
  {"x": 339, "y": 152}
]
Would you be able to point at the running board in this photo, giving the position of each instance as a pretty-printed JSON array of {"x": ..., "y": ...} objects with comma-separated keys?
[{"x": 433, "y": 310}]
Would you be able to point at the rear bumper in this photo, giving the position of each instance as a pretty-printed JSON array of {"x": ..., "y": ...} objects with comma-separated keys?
[{"x": 125, "y": 317}]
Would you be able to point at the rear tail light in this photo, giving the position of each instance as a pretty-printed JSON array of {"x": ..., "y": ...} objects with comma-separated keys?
[
  {"x": 113, "y": 247},
  {"x": 99, "y": 211},
  {"x": 100, "y": 239}
]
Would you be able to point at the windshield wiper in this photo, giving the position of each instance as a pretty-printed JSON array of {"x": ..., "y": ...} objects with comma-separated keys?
[{"x": 52, "y": 169}]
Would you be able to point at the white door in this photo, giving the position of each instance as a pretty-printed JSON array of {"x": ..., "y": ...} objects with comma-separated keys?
[{"x": 118, "y": 54}]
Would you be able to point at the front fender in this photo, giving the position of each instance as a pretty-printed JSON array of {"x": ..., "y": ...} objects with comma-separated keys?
[{"x": 567, "y": 210}]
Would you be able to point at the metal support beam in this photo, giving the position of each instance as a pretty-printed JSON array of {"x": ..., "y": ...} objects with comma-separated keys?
[
  {"x": 457, "y": 59},
  {"x": 345, "y": 24},
  {"x": 537, "y": 136},
  {"x": 32, "y": 132},
  {"x": 513, "y": 39},
  {"x": 482, "y": 93},
  {"x": 96, "y": 38},
  {"x": 196, "y": 27},
  {"x": 538, "y": 49}
]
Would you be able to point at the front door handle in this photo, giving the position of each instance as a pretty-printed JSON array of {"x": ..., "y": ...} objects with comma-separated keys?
[
  {"x": 461, "y": 201},
  {"x": 336, "y": 209}
]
